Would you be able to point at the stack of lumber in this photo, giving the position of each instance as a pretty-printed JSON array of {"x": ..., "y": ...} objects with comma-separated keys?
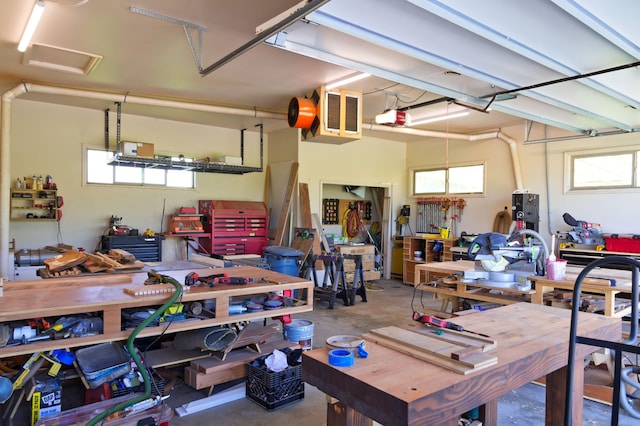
[
  {"x": 73, "y": 262},
  {"x": 457, "y": 351},
  {"x": 252, "y": 342}
]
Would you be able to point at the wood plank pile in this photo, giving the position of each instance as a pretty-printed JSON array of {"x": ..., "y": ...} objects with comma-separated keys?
[
  {"x": 252, "y": 342},
  {"x": 588, "y": 302},
  {"x": 457, "y": 351},
  {"x": 73, "y": 262}
]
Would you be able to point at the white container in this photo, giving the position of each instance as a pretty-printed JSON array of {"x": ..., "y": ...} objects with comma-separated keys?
[
  {"x": 556, "y": 269},
  {"x": 417, "y": 255}
]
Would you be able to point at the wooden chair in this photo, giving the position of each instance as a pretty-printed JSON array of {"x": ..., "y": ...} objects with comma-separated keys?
[{"x": 621, "y": 374}]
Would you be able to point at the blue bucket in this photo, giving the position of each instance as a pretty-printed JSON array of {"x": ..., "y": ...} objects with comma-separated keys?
[
  {"x": 283, "y": 259},
  {"x": 300, "y": 331}
]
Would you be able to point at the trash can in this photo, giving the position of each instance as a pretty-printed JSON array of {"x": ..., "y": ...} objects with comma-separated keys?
[{"x": 283, "y": 259}]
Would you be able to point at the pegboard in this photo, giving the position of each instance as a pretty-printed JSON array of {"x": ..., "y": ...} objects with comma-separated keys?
[{"x": 330, "y": 211}]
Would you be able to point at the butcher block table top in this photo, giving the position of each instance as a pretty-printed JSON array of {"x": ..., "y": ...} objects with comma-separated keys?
[{"x": 397, "y": 389}]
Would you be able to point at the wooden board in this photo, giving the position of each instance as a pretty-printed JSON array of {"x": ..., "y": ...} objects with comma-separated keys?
[
  {"x": 286, "y": 205},
  {"x": 305, "y": 206},
  {"x": 434, "y": 349},
  {"x": 232, "y": 368},
  {"x": 320, "y": 232},
  {"x": 148, "y": 290},
  {"x": 65, "y": 260},
  {"x": 170, "y": 356},
  {"x": 122, "y": 256}
]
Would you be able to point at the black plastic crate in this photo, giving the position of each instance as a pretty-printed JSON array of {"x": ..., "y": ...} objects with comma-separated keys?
[{"x": 273, "y": 390}]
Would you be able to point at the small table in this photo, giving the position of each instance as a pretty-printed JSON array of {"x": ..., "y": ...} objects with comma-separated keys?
[
  {"x": 623, "y": 287},
  {"x": 191, "y": 240},
  {"x": 396, "y": 389}
]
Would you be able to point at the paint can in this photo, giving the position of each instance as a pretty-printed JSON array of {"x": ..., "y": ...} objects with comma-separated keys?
[{"x": 300, "y": 331}]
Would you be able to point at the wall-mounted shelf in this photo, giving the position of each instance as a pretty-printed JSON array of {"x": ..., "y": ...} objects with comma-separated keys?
[
  {"x": 157, "y": 163},
  {"x": 34, "y": 205}
]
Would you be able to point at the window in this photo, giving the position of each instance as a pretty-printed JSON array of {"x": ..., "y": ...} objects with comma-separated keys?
[
  {"x": 603, "y": 170},
  {"x": 98, "y": 171},
  {"x": 454, "y": 180}
]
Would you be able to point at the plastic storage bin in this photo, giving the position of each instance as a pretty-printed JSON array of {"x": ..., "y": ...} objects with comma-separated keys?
[{"x": 103, "y": 363}]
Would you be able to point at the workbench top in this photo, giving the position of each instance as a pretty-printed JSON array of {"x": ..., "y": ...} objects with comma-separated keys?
[
  {"x": 393, "y": 388},
  {"x": 106, "y": 295}
]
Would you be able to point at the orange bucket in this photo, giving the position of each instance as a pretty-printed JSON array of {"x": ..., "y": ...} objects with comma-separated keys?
[{"x": 302, "y": 112}]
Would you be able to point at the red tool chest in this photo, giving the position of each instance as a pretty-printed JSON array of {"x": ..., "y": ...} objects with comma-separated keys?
[{"x": 234, "y": 227}]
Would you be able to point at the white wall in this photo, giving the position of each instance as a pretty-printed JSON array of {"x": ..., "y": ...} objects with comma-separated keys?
[
  {"x": 542, "y": 167},
  {"x": 48, "y": 139},
  {"x": 367, "y": 162}
]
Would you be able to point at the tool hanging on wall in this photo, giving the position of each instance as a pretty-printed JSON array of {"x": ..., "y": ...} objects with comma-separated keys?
[
  {"x": 438, "y": 212},
  {"x": 351, "y": 222}
]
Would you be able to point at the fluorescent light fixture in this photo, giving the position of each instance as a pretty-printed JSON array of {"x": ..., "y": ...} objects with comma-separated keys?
[
  {"x": 347, "y": 80},
  {"x": 439, "y": 118},
  {"x": 34, "y": 20}
]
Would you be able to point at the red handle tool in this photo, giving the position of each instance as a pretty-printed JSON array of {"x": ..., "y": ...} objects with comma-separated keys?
[
  {"x": 437, "y": 322},
  {"x": 431, "y": 320},
  {"x": 232, "y": 280}
]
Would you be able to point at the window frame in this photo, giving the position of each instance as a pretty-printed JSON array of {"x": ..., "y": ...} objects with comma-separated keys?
[
  {"x": 570, "y": 156},
  {"x": 85, "y": 172},
  {"x": 415, "y": 170}
]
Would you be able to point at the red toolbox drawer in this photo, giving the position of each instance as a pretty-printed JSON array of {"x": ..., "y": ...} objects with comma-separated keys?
[{"x": 628, "y": 244}]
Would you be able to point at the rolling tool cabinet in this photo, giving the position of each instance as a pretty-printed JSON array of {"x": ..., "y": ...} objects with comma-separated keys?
[
  {"x": 145, "y": 249},
  {"x": 234, "y": 227}
]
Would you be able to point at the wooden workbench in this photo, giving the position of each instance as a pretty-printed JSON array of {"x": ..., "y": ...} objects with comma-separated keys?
[
  {"x": 396, "y": 389},
  {"x": 542, "y": 285},
  {"x": 105, "y": 295}
]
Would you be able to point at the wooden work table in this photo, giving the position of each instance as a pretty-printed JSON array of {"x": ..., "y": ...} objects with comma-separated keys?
[
  {"x": 541, "y": 285},
  {"x": 396, "y": 389},
  {"x": 105, "y": 296}
]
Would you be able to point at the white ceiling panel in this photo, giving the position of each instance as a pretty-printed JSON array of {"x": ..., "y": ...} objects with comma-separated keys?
[{"x": 557, "y": 57}]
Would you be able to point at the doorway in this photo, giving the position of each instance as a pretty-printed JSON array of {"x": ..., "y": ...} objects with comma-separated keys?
[{"x": 341, "y": 205}]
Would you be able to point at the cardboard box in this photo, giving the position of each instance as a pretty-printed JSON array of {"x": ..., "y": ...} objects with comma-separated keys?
[
  {"x": 232, "y": 161},
  {"x": 367, "y": 275},
  {"x": 357, "y": 249},
  {"x": 368, "y": 262},
  {"x": 137, "y": 149},
  {"x": 47, "y": 398}
]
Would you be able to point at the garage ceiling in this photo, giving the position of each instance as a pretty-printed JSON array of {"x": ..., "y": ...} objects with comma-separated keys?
[{"x": 570, "y": 64}]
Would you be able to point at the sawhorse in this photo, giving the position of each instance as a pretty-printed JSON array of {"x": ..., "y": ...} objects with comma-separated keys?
[
  {"x": 358, "y": 287},
  {"x": 334, "y": 271}
]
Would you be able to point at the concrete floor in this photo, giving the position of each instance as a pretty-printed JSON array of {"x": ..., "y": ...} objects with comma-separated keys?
[{"x": 389, "y": 303}]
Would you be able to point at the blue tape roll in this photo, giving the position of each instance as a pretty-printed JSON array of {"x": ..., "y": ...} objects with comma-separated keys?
[{"x": 341, "y": 358}]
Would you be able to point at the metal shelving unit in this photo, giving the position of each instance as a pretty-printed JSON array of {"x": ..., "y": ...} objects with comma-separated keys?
[
  {"x": 165, "y": 163},
  {"x": 157, "y": 163}
]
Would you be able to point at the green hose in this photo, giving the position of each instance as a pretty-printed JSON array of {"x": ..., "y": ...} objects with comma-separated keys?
[{"x": 136, "y": 358}]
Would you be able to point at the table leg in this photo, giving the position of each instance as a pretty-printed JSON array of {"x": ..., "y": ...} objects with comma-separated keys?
[
  {"x": 489, "y": 413},
  {"x": 556, "y": 384},
  {"x": 538, "y": 297},
  {"x": 339, "y": 414}
]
